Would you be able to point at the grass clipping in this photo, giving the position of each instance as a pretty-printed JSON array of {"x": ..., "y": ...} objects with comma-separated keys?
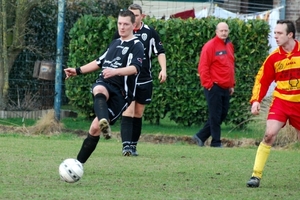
[
  {"x": 286, "y": 135},
  {"x": 46, "y": 125}
]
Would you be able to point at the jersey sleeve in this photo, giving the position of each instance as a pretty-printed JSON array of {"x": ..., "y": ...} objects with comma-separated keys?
[
  {"x": 263, "y": 79},
  {"x": 100, "y": 60},
  {"x": 158, "y": 46},
  {"x": 137, "y": 55}
]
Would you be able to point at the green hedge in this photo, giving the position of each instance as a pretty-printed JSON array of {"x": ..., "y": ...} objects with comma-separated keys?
[{"x": 181, "y": 98}]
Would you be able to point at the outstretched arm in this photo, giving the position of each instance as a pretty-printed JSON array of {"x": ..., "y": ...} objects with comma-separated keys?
[{"x": 90, "y": 67}]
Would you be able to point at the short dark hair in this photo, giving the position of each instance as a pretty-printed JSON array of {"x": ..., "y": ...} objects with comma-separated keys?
[
  {"x": 290, "y": 26},
  {"x": 135, "y": 7},
  {"x": 127, "y": 13}
]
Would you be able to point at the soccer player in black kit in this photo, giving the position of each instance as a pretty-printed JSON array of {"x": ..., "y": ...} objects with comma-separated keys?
[
  {"x": 114, "y": 90},
  {"x": 131, "y": 125}
]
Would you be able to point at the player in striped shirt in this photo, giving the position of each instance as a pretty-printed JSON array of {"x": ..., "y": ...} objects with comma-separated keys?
[
  {"x": 283, "y": 67},
  {"x": 131, "y": 125}
]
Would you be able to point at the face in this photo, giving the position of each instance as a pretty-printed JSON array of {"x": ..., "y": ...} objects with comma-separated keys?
[
  {"x": 222, "y": 31},
  {"x": 125, "y": 27},
  {"x": 281, "y": 35},
  {"x": 138, "y": 16}
]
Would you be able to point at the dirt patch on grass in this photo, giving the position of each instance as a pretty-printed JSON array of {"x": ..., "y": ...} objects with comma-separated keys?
[
  {"x": 47, "y": 128},
  {"x": 47, "y": 125}
]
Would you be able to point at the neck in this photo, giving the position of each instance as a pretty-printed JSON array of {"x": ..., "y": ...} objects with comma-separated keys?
[
  {"x": 288, "y": 47},
  {"x": 138, "y": 26},
  {"x": 127, "y": 37}
]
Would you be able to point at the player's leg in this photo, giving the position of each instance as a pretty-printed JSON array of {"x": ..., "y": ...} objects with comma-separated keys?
[
  {"x": 137, "y": 127},
  {"x": 294, "y": 117},
  {"x": 126, "y": 129},
  {"x": 101, "y": 95},
  {"x": 142, "y": 98},
  {"x": 278, "y": 115},
  {"x": 90, "y": 142},
  {"x": 263, "y": 151}
]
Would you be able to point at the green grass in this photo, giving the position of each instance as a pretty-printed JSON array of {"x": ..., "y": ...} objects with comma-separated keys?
[{"x": 29, "y": 170}]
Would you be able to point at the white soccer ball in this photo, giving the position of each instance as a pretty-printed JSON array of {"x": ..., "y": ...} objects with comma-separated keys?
[{"x": 70, "y": 170}]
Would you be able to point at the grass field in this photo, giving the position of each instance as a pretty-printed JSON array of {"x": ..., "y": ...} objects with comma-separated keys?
[{"x": 29, "y": 170}]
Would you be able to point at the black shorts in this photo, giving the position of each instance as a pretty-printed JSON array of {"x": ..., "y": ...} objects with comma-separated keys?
[
  {"x": 116, "y": 102},
  {"x": 143, "y": 92}
]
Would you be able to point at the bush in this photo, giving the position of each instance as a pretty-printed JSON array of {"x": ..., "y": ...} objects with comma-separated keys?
[{"x": 181, "y": 97}]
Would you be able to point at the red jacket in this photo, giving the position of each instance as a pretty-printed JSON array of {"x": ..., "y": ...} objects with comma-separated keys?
[{"x": 216, "y": 64}]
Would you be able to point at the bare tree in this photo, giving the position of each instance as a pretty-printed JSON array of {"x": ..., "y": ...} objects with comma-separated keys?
[{"x": 14, "y": 15}]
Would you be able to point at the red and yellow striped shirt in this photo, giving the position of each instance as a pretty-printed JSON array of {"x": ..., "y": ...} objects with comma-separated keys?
[{"x": 284, "y": 69}]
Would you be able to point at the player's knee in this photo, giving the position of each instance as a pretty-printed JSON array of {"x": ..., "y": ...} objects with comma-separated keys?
[
  {"x": 139, "y": 110},
  {"x": 129, "y": 112},
  {"x": 138, "y": 115},
  {"x": 269, "y": 137},
  {"x": 94, "y": 129},
  {"x": 99, "y": 89}
]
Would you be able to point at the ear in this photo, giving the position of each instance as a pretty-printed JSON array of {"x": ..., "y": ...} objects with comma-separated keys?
[
  {"x": 290, "y": 35},
  {"x": 143, "y": 16},
  {"x": 134, "y": 24}
]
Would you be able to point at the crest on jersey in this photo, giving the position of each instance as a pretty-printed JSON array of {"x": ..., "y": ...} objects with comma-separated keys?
[
  {"x": 140, "y": 60},
  {"x": 144, "y": 36},
  {"x": 124, "y": 51}
]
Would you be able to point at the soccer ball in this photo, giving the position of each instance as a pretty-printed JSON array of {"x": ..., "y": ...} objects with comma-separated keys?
[{"x": 70, "y": 170}]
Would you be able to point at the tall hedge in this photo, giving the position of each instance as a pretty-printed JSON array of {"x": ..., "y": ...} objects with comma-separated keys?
[{"x": 181, "y": 98}]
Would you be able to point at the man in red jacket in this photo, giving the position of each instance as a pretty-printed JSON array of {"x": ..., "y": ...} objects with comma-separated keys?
[{"x": 216, "y": 70}]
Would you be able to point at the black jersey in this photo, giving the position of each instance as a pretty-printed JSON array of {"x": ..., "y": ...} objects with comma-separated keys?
[
  {"x": 152, "y": 44},
  {"x": 122, "y": 54}
]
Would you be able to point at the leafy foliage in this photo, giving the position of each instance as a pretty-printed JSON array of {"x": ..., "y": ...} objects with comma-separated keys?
[{"x": 181, "y": 97}]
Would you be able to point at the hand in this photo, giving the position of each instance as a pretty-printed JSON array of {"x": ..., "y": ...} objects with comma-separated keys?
[
  {"x": 231, "y": 91},
  {"x": 255, "y": 108},
  {"x": 109, "y": 72},
  {"x": 70, "y": 72},
  {"x": 162, "y": 76}
]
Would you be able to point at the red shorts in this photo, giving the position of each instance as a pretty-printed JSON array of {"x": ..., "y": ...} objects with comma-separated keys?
[{"x": 282, "y": 110}]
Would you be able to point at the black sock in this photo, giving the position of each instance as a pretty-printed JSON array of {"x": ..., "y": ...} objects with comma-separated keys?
[
  {"x": 87, "y": 148},
  {"x": 100, "y": 106},
  {"x": 126, "y": 130},
  {"x": 136, "y": 130}
]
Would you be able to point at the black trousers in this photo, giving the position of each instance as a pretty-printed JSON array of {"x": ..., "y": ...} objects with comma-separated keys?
[{"x": 218, "y": 105}]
